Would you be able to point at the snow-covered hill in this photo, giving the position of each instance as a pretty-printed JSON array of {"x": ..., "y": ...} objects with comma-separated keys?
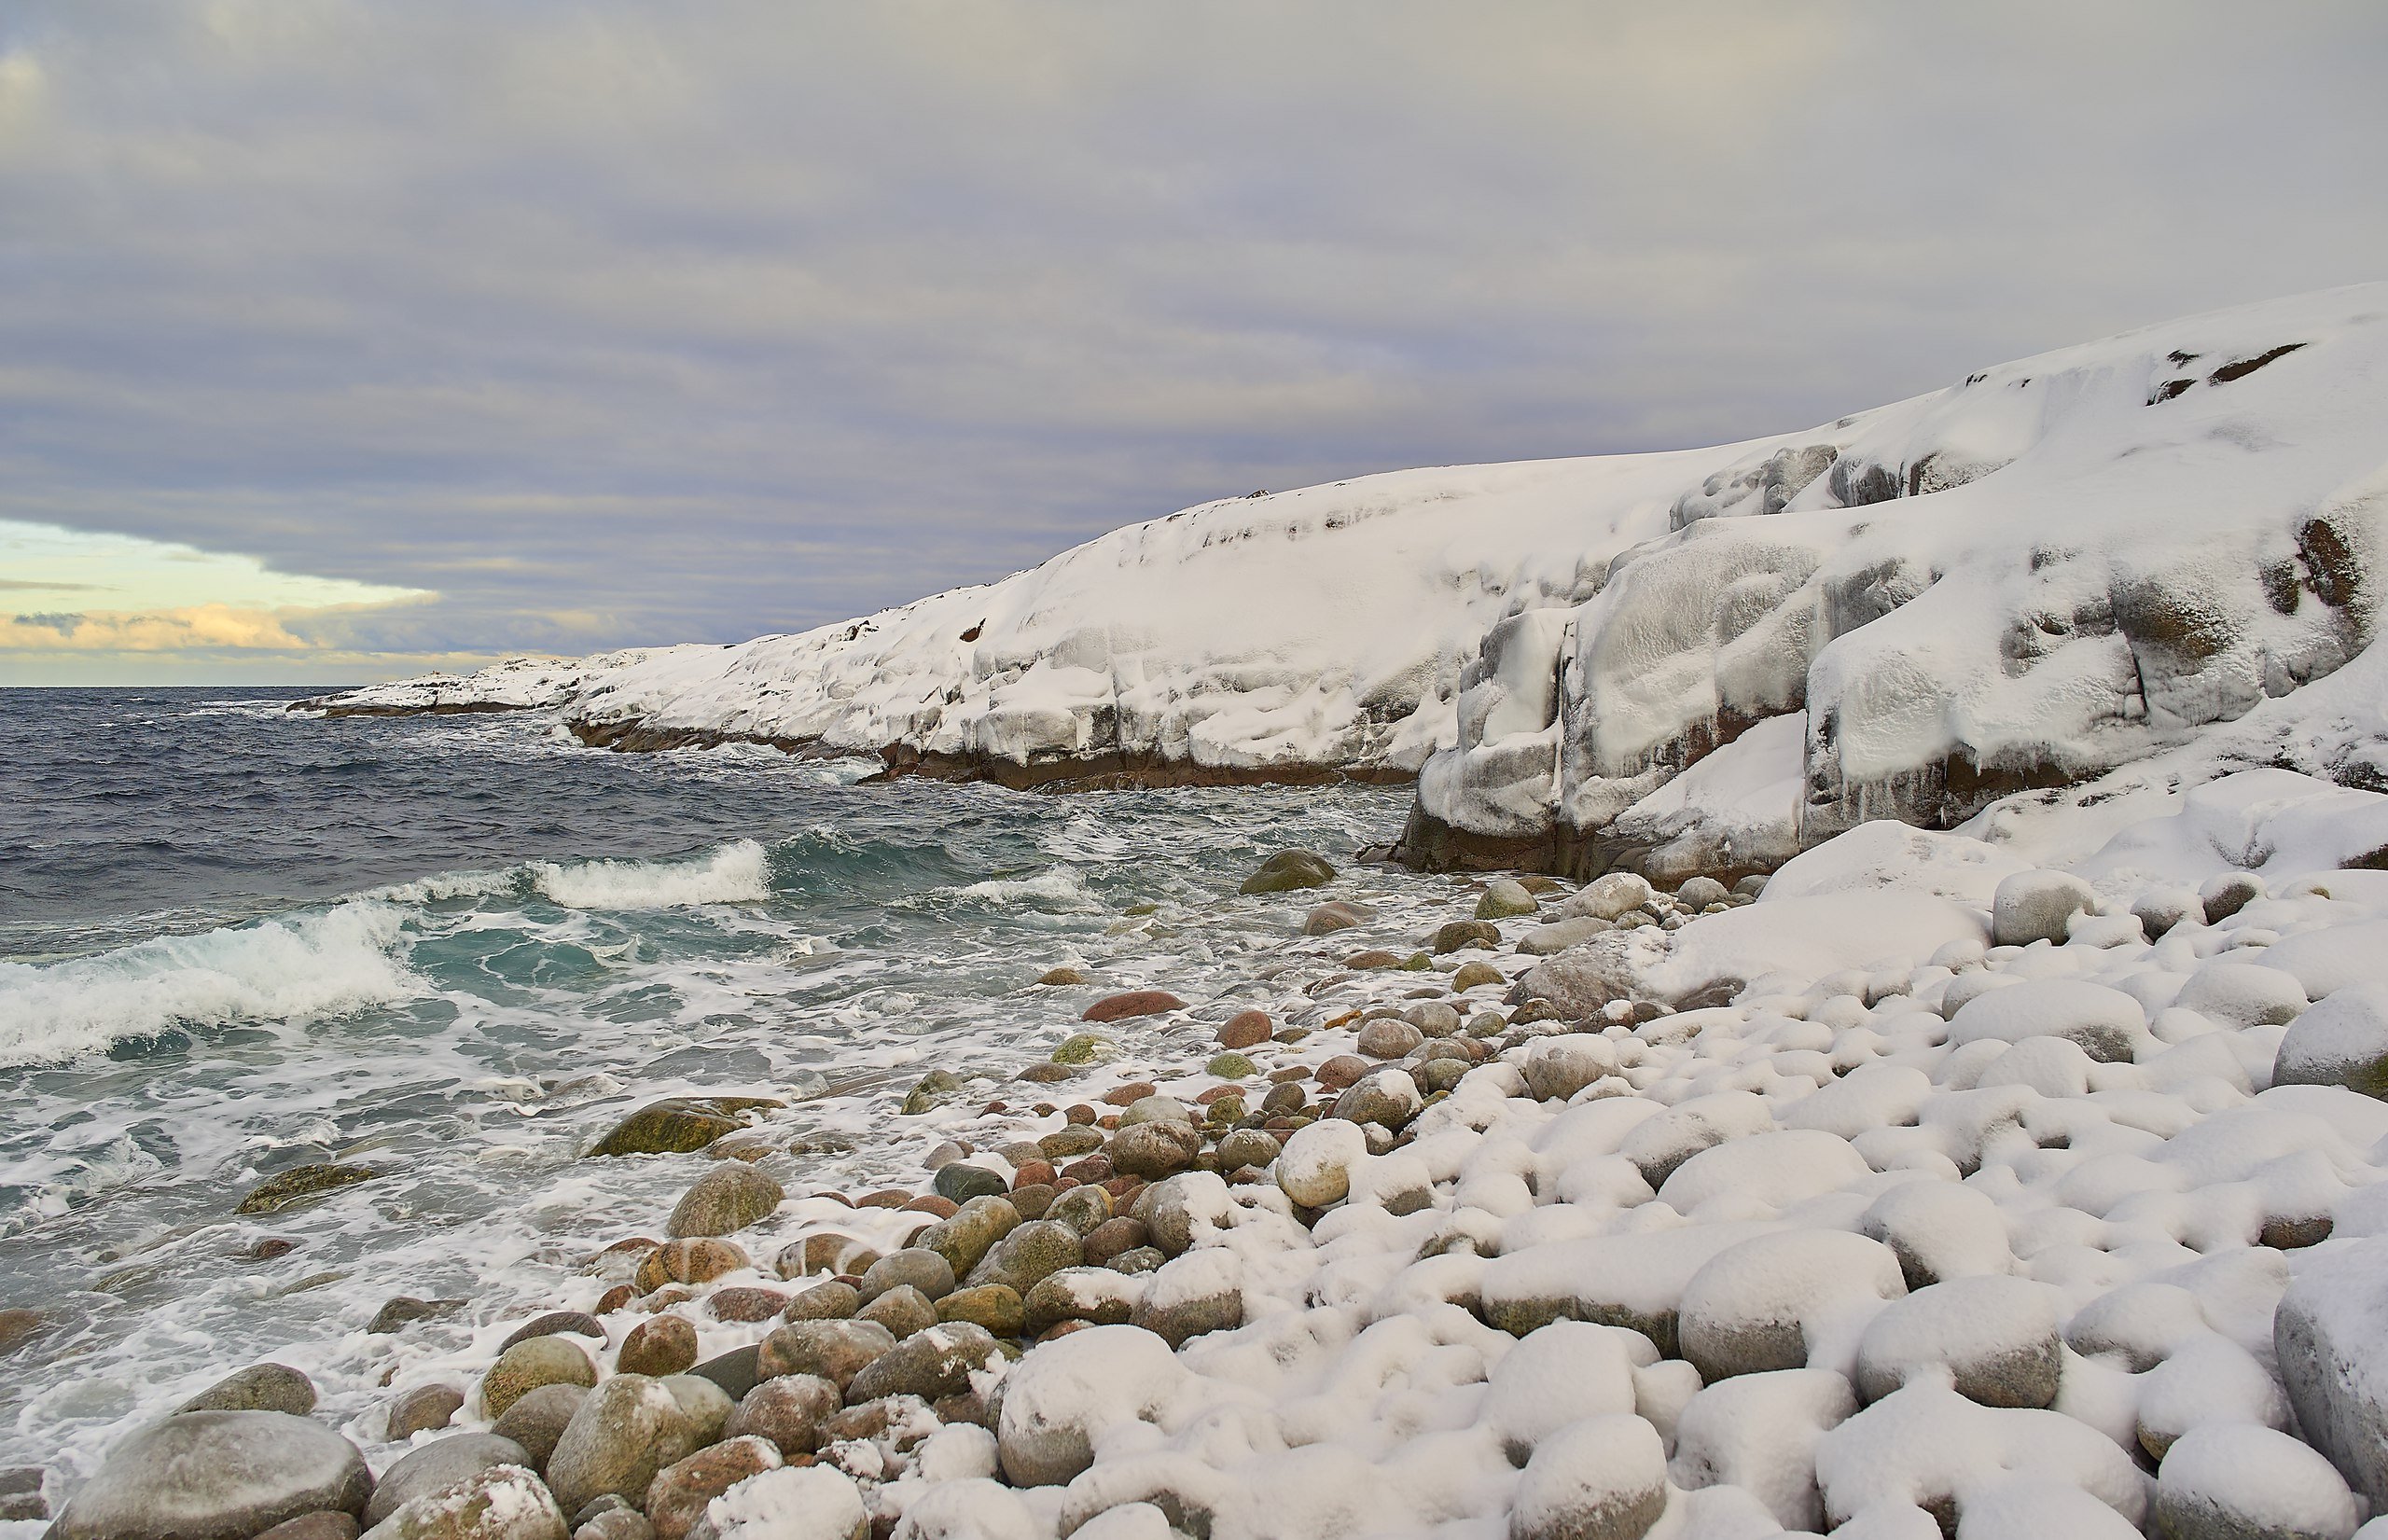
[{"x": 1696, "y": 661}]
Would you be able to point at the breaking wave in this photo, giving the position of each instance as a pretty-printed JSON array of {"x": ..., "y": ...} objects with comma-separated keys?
[
  {"x": 305, "y": 966},
  {"x": 737, "y": 873}
]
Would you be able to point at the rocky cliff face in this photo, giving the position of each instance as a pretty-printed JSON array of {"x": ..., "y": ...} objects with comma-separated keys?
[
  {"x": 2060, "y": 566},
  {"x": 1700, "y": 662}
]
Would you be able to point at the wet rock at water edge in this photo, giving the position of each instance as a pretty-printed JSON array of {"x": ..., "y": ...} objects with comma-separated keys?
[
  {"x": 1061, "y": 978},
  {"x": 1134, "y": 1002},
  {"x": 961, "y": 1181},
  {"x": 215, "y": 1475},
  {"x": 679, "y": 1125},
  {"x": 424, "y": 1407},
  {"x": 834, "y": 1350},
  {"x": 932, "y": 1091},
  {"x": 1245, "y": 1029},
  {"x": 725, "y": 1200},
  {"x": 437, "y": 1466},
  {"x": 284, "y": 1188},
  {"x": 1082, "y": 1048},
  {"x": 405, "y": 1311},
  {"x": 1504, "y": 900},
  {"x": 1334, "y": 915},
  {"x": 538, "y": 1418},
  {"x": 556, "y": 1324},
  {"x": 260, "y": 1387},
  {"x": 676, "y": 1498},
  {"x": 501, "y": 1503},
  {"x": 933, "y": 1364},
  {"x": 627, "y": 1429},
  {"x": 657, "y": 1346},
  {"x": 527, "y": 1366},
  {"x": 694, "y": 1261},
  {"x": 1460, "y": 935},
  {"x": 1287, "y": 870}
]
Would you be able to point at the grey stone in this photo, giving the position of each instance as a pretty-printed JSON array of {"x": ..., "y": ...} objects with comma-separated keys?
[
  {"x": 914, "y": 1266},
  {"x": 527, "y": 1366},
  {"x": 627, "y": 1429},
  {"x": 1432, "y": 1018},
  {"x": 970, "y": 1232},
  {"x": 1152, "y": 1150},
  {"x": 1504, "y": 900},
  {"x": 1028, "y": 1254},
  {"x": 830, "y": 1299},
  {"x": 537, "y": 1419},
  {"x": 403, "y": 1312},
  {"x": 2342, "y": 1041},
  {"x": 260, "y": 1387},
  {"x": 1246, "y": 1147},
  {"x": 1154, "y": 1109},
  {"x": 735, "y": 1371},
  {"x": 1697, "y": 893},
  {"x": 959, "y": 1182},
  {"x": 676, "y": 1498},
  {"x": 215, "y": 1475},
  {"x": 2330, "y": 1335},
  {"x": 499, "y": 1503},
  {"x": 1289, "y": 870},
  {"x": 703, "y": 1404},
  {"x": 902, "y": 1309},
  {"x": 2036, "y": 906},
  {"x": 1580, "y": 980},
  {"x": 1997, "y": 1336},
  {"x": 439, "y": 1464},
  {"x": 1388, "y": 1037},
  {"x": 930, "y": 1365},
  {"x": 1607, "y": 897},
  {"x": 424, "y": 1407},
  {"x": 1555, "y": 1068},
  {"x": 729, "y": 1198},
  {"x": 1081, "y": 1208},
  {"x": 836, "y": 1351},
  {"x": 1388, "y": 1099},
  {"x": 788, "y": 1410}
]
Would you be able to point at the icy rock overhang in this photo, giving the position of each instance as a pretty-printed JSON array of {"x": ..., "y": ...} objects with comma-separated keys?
[{"x": 2059, "y": 568}]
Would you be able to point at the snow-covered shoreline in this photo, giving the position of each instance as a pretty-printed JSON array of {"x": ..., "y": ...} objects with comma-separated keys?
[
  {"x": 2155, "y": 546},
  {"x": 1933, "y": 1192}
]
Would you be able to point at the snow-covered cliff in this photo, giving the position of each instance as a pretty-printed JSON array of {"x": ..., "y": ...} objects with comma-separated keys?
[{"x": 2140, "y": 551}]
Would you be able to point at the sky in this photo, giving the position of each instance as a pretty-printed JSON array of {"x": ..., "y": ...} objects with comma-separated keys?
[{"x": 341, "y": 340}]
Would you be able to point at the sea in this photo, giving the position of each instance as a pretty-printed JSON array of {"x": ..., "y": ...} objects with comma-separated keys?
[{"x": 235, "y": 939}]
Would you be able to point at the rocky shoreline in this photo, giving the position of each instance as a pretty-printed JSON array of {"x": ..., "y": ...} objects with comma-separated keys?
[{"x": 1928, "y": 1193}]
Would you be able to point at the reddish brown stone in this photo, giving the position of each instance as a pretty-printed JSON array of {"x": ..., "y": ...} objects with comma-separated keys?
[
  {"x": 688, "y": 1262},
  {"x": 661, "y": 1345},
  {"x": 1080, "y": 1114},
  {"x": 1245, "y": 1029},
  {"x": 614, "y": 1299},
  {"x": 746, "y": 1304},
  {"x": 1130, "y": 1094},
  {"x": 888, "y": 1198},
  {"x": 1217, "y": 1093},
  {"x": 1034, "y": 1173},
  {"x": 1094, "y": 1168},
  {"x": 1119, "y": 1008},
  {"x": 1111, "y": 1236},
  {"x": 1342, "y": 1071},
  {"x": 943, "y": 1208}
]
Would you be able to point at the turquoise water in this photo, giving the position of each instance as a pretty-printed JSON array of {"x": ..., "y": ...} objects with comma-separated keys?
[{"x": 237, "y": 940}]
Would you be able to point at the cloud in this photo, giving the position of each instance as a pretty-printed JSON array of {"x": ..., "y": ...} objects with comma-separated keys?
[
  {"x": 621, "y": 321},
  {"x": 199, "y": 628}
]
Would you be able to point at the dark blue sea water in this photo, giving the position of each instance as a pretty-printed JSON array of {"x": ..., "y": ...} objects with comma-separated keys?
[{"x": 235, "y": 939}]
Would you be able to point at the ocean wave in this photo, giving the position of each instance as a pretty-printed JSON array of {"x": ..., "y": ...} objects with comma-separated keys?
[
  {"x": 307, "y": 965},
  {"x": 1059, "y": 887},
  {"x": 737, "y": 873}
]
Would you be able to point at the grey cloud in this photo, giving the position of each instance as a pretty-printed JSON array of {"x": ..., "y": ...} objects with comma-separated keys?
[{"x": 625, "y": 323}]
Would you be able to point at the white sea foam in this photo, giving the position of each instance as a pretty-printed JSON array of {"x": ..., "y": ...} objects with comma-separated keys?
[
  {"x": 1059, "y": 887},
  {"x": 309, "y": 965},
  {"x": 737, "y": 873}
]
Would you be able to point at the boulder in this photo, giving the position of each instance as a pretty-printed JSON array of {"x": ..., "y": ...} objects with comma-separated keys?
[
  {"x": 1200, "y": 1292},
  {"x": 1557, "y": 936},
  {"x": 284, "y": 1188},
  {"x": 695, "y": 1261},
  {"x": 215, "y": 1475},
  {"x": 995, "y": 1307},
  {"x": 2244, "y": 1481},
  {"x": 1601, "y": 1478},
  {"x": 260, "y": 1387},
  {"x": 902, "y": 1309},
  {"x": 1071, "y": 1391},
  {"x": 538, "y": 1418},
  {"x": 2330, "y": 1335},
  {"x": 704, "y": 1405},
  {"x": 1757, "y": 1305},
  {"x": 1997, "y": 1336},
  {"x": 1245, "y": 1029},
  {"x": 916, "y": 1267},
  {"x": 2036, "y": 906},
  {"x": 1460, "y": 935},
  {"x": 1608, "y": 897},
  {"x": 1504, "y": 900},
  {"x": 498, "y": 1503},
  {"x": 1334, "y": 915},
  {"x": 1388, "y": 1099},
  {"x": 1388, "y": 1037},
  {"x": 931, "y": 1364},
  {"x": 2342, "y": 1041},
  {"x": 437, "y": 1466},
  {"x": 1134, "y": 1002},
  {"x": 1027, "y": 1255},
  {"x": 834, "y": 1350},
  {"x": 556, "y": 1324},
  {"x": 1287, "y": 870},
  {"x": 970, "y": 1232},
  {"x": 1698, "y": 893},
  {"x": 627, "y": 1429},
  {"x": 729, "y": 1198},
  {"x": 526, "y": 1366},
  {"x": 931, "y": 1092},
  {"x": 1555, "y": 1068},
  {"x": 679, "y": 1125},
  {"x": 1316, "y": 1167},
  {"x": 657, "y": 1346},
  {"x": 1155, "y": 1150},
  {"x": 421, "y": 1408},
  {"x": 1476, "y": 975},
  {"x": 959, "y": 1182},
  {"x": 676, "y": 1498},
  {"x": 788, "y": 1410}
]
